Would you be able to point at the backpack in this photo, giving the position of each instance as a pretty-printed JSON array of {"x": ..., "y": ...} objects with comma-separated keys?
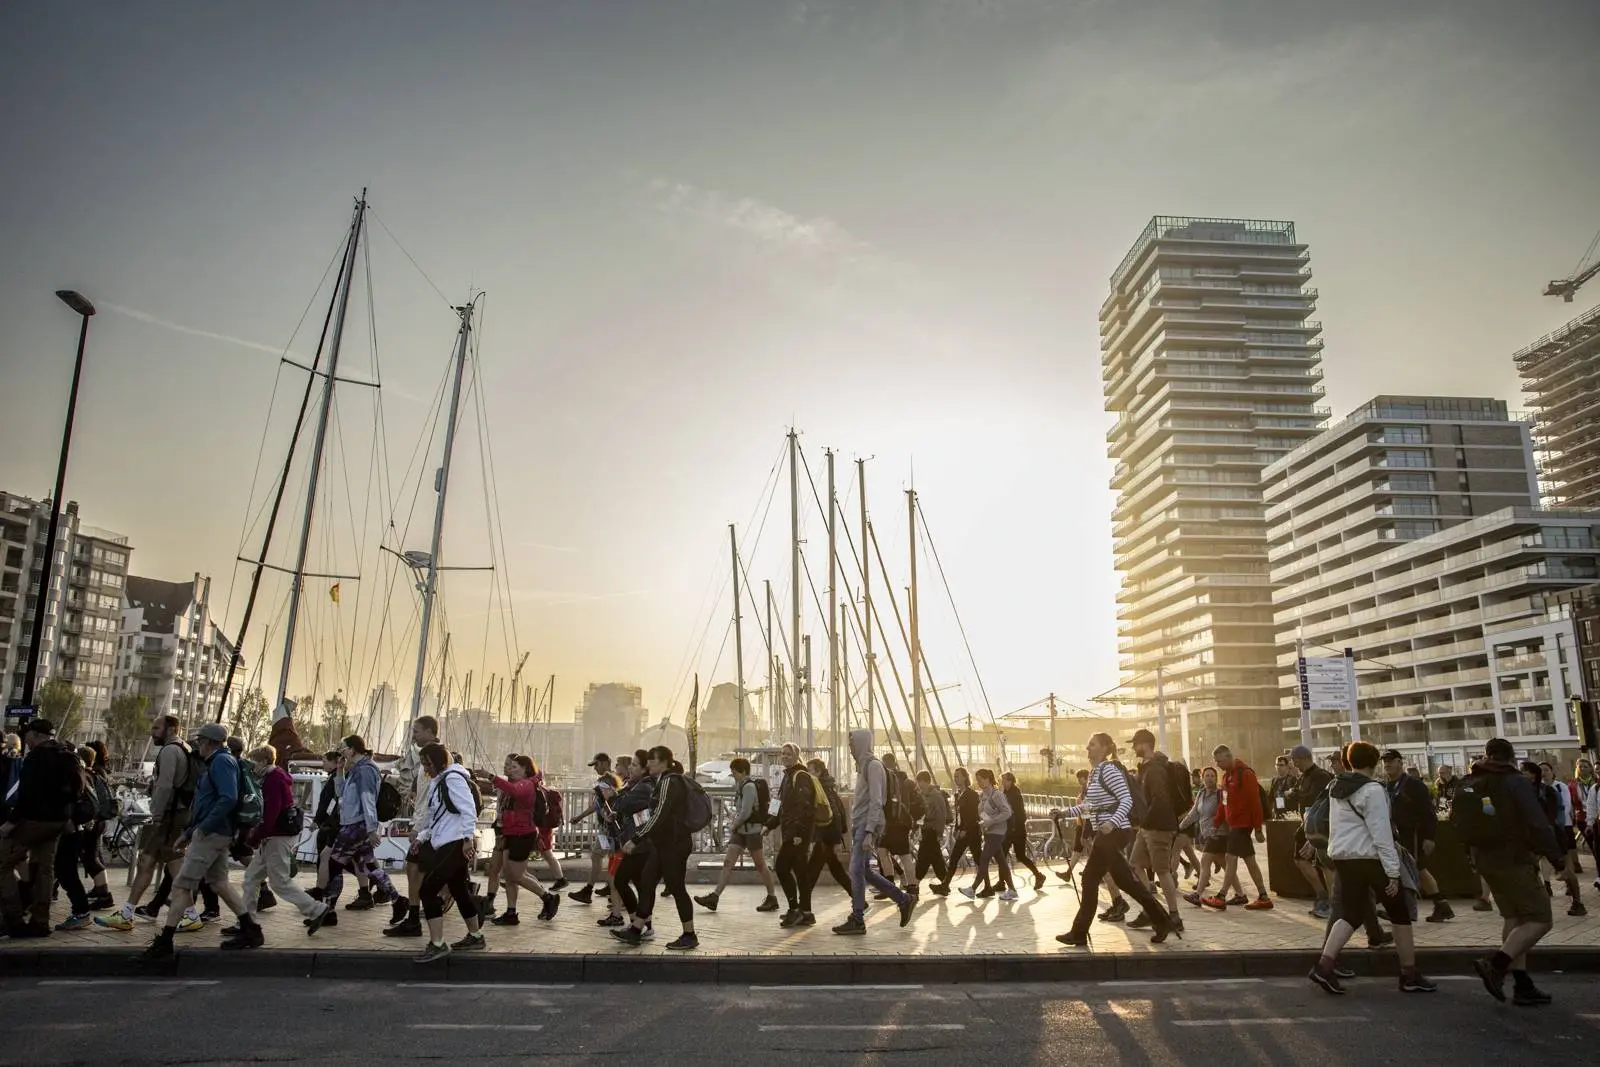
[
  {"x": 547, "y": 813},
  {"x": 388, "y": 800},
  {"x": 1180, "y": 788},
  {"x": 84, "y": 805},
  {"x": 1141, "y": 803},
  {"x": 250, "y": 807},
  {"x": 697, "y": 807},
  {"x": 1318, "y": 823},
  {"x": 450, "y": 805},
  {"x": 822, "y": 811},
  {"x": 893, "y": 810},
  {"x": 1482, "y": 814},
  {"x": 912, "y": 800},
  {"x": 195, "y": 769},
  {"x": 106, "y": 807}
]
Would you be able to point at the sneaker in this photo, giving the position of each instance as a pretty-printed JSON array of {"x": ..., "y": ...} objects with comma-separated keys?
[
  {"x": 611, "y": 920},
  {"x": 114, "y": 921},
  {"x": 854, "y": 927},
  {"x": 908, "y": 903},
  {"x": 1416, "y": 983},
  {"x": 790, "y": 918},
  {"x": 231, "y": 931},
  {"x": 1259, "y": 904},
  {"x": 363, "y": 902},
  {"x": 1322, "y": 910},
  {"x": 210, "y": 916},
  {"x": 1214, "y": 903},
  {"x": 1065, "y": 876},
  {"x": 1140, "y": 922},
  {"x": 561, "y": 883},
  {"x": 1577, "y": 908},
  {"x": 684, "y": 943},
  {"x": 1074, "y": 940},
  {"x": 1383, "y": 940},
  {"x": 1442, "y": 912},
  {"x": 1238, "y": 900},
  {"x": 190, "y": 924},
  {"x": 82, "y": 921},
  {"x": 1009, "y": 894},
  {"x": 939, "y": 890},
  {"x": 806, "y": 919},
  {"x": 433, "y": 950},
  {"x": 1193, "y": 898},
  {"x": 407, "y": 927},
  {"x": 628, "y": 935},
  {"x": 380, "y": 895},
  {"x": 1494, "y": 979},
  {"x": 485, "y": 908},
  {"x": 101, "y": 901},
  {"x": 507, "y": 918},
  {"x": 473, "y": 942},
  {"x": 320, "y": 919},
  {"x": 148, "y": 912},
  {"x": 708, "y": 902},
  {"x": 986, "y": 892},
  {"x": 968, "y": 892},
  {"x": 1530, "y": 997},
  {"x": 768, "y": 905},
  {"x": 648, "y": 933},
  {"x": 1327, "y": 979},
  {"x": 1038, "y": 882},
  {"x": 1344, "y": 974},
  {"x": 552, "y": 904},
  {"x": 584, "y": 895},
  {"x": 1483, "y": 905}
]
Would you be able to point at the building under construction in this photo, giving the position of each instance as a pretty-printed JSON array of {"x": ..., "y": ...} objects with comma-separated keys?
[{"x": 1561, "y": 375}]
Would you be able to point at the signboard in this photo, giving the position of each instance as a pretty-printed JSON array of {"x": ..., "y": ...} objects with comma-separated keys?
[{"x": 1325, "y": 684}]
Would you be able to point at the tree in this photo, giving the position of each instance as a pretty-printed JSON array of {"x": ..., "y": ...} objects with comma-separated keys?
[
  {"x": 312, "y": 733},
  {"x": 252, "y": 718},
  {"x": 335, "y": 720},
  {"x": 127, "y": 721},
  {"x": 62, "y": 705}
]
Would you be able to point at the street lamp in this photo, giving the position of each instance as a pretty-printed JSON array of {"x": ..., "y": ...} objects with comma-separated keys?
[{"x": 84, "y": 310}]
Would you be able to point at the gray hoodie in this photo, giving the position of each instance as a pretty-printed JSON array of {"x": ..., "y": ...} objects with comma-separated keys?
[{"x": 866, "y": 812}]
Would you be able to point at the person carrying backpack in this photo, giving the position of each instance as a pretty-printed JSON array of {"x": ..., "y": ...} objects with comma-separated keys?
[
  {"x": 357, "y": 838},
  {"x": 1497, "y": 815},
  {"x": 1017, "y": 828},
  {"x": 826, "y": 841},
  {"x": 866, "y": 830},
  {"x": 69, "y": 846},
  {"x": 1165, "y": 786},
  {"x": 273, "y": 841},
  {"x": 930, "y": 848},
  {"x": 48, "y": 786},
  {"x": 671, "y": 842},
  {"x": 902, "y": 809},
  {"x": 751, "y": 816}
]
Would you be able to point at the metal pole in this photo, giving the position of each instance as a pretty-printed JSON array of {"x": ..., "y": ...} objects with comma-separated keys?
[
  {"x": 41, "y": 598},
  {"x": 833, "y": 614},
  {"x": 1305, "y": 693},
  {"x": 921, "y": 756},
  {"x": 1055, "y": 757},
  {"x": 297, "y": 586},
  {"x": 794, "y": 569},
  {"x": 441, "y": 483},
  {"x": 738, "y": 628},
  {"x": 1161, "y": 708},
  {"x": 774, "y": 704},
  {"x": 866, "y": 591},
  {"x": 811, "y": 733},
  {"x": 1355, "y": 701}
]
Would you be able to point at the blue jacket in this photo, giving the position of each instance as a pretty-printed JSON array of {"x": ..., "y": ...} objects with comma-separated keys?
[
  {"x": 358, "y": 803},
  {"x": 216, "y": 795}
]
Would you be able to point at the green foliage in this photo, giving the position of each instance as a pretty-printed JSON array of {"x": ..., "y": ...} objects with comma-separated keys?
[
  {"x": 61, "y": 704},
  {"x": 127, "y": 724},
  {"x": 252, "y": 718}
]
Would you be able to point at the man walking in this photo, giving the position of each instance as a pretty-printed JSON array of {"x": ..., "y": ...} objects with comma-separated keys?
[
  {"x": 274, "y": 840},
  {"x": 797, "y": 822},
  {"x": 1017, "y": 828},
  {"x": 358, "y": 836},
  {"x": 1165, "y": 785},
  {"x": 1312, "y": 783},
  {"x": 930, "y": 848},
  {"x": 170, "y": 793},
  {"x": 902, "y": 809},
  {"x": 1241, "y": 811},
  {"x": 1416, "y": 824},
  {"x": 748, "y": 835},
  {"x": 46, "y": 788},
  {"x": 412, "y": 783},
  {"x": 968, "y": 834},
  {"x": 866, "y": 828}
]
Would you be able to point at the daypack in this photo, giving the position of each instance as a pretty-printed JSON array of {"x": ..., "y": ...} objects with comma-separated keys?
[
  {"x": 547, "y": 814},
  {"x": 248, "y": 811},
  {"x": 83, "y": 800},
  {"x": 1141, "y": 804},
  {"x": 697, "y": 806},
  {"x": 106, "y": 807},
  {"x": 1318, "y": 823},
  {"x": 822, "y": 811},
  {"x": 388, "y": 800},
  {"x": 450, "y": 805},
  {"x": 194, "y": 770},
  {"x": 915, "y": 806},
  {"x": 1482, "y": 813},
  {"x": 763, "y": 800},
  {"x": 894, "y": 813}
]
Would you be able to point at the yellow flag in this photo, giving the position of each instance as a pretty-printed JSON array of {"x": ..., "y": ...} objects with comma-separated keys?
[{"x": 333, "y": 592}]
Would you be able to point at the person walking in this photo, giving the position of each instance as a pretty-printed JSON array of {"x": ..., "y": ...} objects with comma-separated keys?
[
  {"x": 1017, "y": 828},
  {"x": 753, "y": 802},
  {"x": 1108, "y": 804},
  {"x": 930, "y": 846},
  {"x": 448, "y": 839},
  {"x": 519, "y": 839},
  {"x": 1201, "y": 821},
  {"x": 40, "y": 810},
  {"x": 274, "y": 839},
  {"x": 968, "y": 834},
  {"x": 1240, "y": 812},
  {"x": 632, "y": 809},
  {"x": 1165, "y": 785},
  {"x": 901, "y": 813},
  {"x": 866, "y": 828},
  {"x": 827, "y": 840},
  {"x": 797, "y": 821},
  {"x": 171, "y": 793},
  {"x": 1416, "y": 824},
  {"x": 667, "y": 833},
  {"x": 994, "y": 819},
  {"x": 354, "y": 844}
]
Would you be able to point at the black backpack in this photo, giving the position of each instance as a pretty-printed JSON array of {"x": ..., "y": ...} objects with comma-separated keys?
[
  {"x": 912, "y": 800},
  {"x": 1141, "y": 804},
  {"x": 1482, "y": 814},
  {"x": 194, "y": 770},
  {"x": 763, "y": 800},
  {"x": 894, "y": 813},
  {"x": 388, "y": 800},
  {"x": 85, "y": 805}
]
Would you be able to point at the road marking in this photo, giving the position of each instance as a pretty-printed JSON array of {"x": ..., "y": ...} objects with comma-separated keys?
[
  {"x": 1283, "y": 1020},
  {"x": 867, "y": 1026},
  {"x": 480, "y": 986},
  {"x": 67, "y": 1026},
  {"x": 126, "y": 981},
  {"x": 1131, "y": 982},
  {"x": 524, "y": 1027},
  {"x": 829, "y": 988}
]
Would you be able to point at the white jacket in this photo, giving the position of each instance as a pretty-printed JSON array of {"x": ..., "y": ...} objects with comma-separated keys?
[
  {"x": 1359, "y": 827},
  {"x": 441, "y": 825}
]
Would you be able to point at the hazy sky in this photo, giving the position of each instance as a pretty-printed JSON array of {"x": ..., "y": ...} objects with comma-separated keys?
[{"x": 889, "y": 223}]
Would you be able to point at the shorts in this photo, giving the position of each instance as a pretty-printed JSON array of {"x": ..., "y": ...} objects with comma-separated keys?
[
  {"x": 205, "y": 861},
  {"x": 749, "y": 841},
  {"x": 1241, "y": 843},
  {"x": 897, "y": 839},
  {"x": 1152, "y": 849},
  {"x": 1216, "y": 844},
  {"x": 1519, "y": 893},
  {"x": 518, "y": 847},
  {"x": 159, "y": 839},
  {"x": 1363, "y": 881}
]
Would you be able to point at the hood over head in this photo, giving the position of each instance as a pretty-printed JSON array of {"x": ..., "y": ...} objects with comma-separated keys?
[{"x": 861, "y": 745}]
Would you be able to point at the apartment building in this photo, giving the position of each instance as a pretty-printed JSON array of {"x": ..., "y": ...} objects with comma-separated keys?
[
  {"x": 1410, "y": 532},
  {"x": 1561, "y": 375},
  {"x": 1211, "y": 361},
  {"x": 172, "y": 651},
  {"x": 83, "y": 602}
]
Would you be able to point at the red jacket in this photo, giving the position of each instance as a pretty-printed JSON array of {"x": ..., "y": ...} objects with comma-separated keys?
[
  {"x": 1240, "y": 808},
  {"x": 516, "y": 815},
  {"x": 277, "y": 795}
]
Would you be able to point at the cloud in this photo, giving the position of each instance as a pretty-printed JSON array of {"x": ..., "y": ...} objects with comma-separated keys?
[{"x": 178, "y": 327}]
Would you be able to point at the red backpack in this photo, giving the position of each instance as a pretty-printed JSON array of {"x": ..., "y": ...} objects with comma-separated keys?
[{"x": 547, "y": 814}]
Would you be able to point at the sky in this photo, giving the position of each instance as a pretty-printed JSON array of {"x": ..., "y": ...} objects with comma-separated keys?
[{"x": 888, "y": 224}]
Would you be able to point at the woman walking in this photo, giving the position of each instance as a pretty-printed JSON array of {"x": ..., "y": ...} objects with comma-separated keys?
[
  {"x": 994, "y": 820},
  {"x": 446, "y": 842},
  {"x": 519, "y": 839},
  {"x": 828, "y": 840}
]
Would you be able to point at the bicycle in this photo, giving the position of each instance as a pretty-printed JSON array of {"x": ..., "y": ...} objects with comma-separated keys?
[{"x": 121, "y": 843}]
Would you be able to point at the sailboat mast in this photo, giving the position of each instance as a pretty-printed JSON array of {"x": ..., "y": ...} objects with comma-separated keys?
[
  {"x": 833, "y": 616},
  {"x": 738, "y": 628},
  {"x": 916, "y": 639},
  {"x": 794, "y": 574},
  {"x": 441, "y": 483},
  {"x": 866, "y": 590},
  {"x": 297, "y": 585}
]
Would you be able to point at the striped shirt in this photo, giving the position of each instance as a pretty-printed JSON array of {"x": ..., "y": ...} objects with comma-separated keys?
[{"x": 1107, "y": 803}]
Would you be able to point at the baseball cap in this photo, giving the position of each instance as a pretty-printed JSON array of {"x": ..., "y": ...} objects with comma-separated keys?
[
  {"x": 40, "y": 726},
  {"x": 1300, "y": 752},
  {"x": 215, "y": 732},
  {"x": 599, "y": 757},
  {"x": 1144, "y": 736},
  {"x": 1392, "y": 754}
]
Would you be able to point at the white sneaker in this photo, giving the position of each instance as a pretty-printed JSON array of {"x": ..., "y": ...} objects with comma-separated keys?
[
  {"x": 648, "y": 933},
  {"x": 1009, "y": 894}
]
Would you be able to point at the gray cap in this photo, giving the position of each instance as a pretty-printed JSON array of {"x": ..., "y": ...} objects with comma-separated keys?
[
  {"x": 1300, "y": 752},
  {"x": 215, "y": 732}
]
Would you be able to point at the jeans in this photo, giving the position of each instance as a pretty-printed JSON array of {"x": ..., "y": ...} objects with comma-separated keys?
[
  {"x": 862, "y": 875},
  {"x": 965, "y": 842},
  {"x": 1106, "y": 856},
  {"x": 271, "y": 863},
  {"x": 930, "y": 854},
  {"x": 994, "y": 848}
]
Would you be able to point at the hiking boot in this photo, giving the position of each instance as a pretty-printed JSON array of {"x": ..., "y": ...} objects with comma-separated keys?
[
  {"x": 407, "y": 927},
  {"x": 159, "y": 951},
  {"x": 1327, "y": 979},
  {"x": 1442, "y": 912},
  {"x": 1140, "y": 921},
  {"x": 708, "y": 902},
  {"x": 907, "y": 904},
  {"x": 1412, "y": 981},
  {"x": 433, "y": 950},
  {"x": 248, "y": 937},
  {"x": 768, "y": 905},
  {"x": 806, "y": 919},
  {"x": 1074, "y": 940},
  {"x": 586, "y": 896},
  {"x": 325, "y": 917},
  {"x": 684, "y": 943},
  {"x": 552, "y": 904},
  {"x": 509, "y": 918},
  {"x": 1494, "y": 979},
  {"x": 628, "y": 935},
  {"x": 363, "y": 902},
  {"x": 1116, "y": 913},
  {"x": 1259, "y": 904},
  {"x": 1165, "y": 925},
  {"x": 473, "y": 942},
  {"x": 851, "y": 927},
  {"x": 1577, "y": 908},
  {"x": 561, "y": 883},
  {"x": 1530, "y": 996}
]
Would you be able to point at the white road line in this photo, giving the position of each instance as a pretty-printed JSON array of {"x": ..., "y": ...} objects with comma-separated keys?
[
  {"x": 481, "y": 986},
  {"x": 830, "y": 988},
  {"x": 1129, "y": 983},
  {"x": 524, "y": 1027},
  {"x": 1283, "y": 1020},
  {"x": 867, "y": 1026},
  {"x": 67, "y": 1026},
  {"x": 126, "y": 981}
]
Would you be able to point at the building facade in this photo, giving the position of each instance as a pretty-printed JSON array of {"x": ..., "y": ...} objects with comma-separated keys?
[
  {"x": 172, "y": 651},
  {"x": 1211, "y": 361},
  {"x": 1561, "y": 376},
  {"x": 1409, "y": 532},
  {"x": 611, "y": 718},
  {"x": 83, "y": 602}
]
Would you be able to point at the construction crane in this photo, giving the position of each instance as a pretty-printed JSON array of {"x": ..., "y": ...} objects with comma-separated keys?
[{"x": 1588, "y": 266}]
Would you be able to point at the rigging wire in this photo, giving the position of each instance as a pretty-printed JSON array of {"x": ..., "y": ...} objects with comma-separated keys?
[
  {"x": 933, "y": 550},
  {"x": 385, "y": 227}
]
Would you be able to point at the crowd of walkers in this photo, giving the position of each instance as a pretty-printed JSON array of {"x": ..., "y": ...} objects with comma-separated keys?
[{"x": 1364, "y": 841}]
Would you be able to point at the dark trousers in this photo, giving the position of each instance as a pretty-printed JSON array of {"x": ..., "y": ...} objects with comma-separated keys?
[
  {"x": 1017, "y": 841},
  {"x": 667, "y": 866},
  {"x": 208, "y": 896},
  {"x": 94, "y": 863},
  {"x": 930, "y": 855},
  {"x": 446, "y": 867},
  {"x": 34, "y": 842},
  {"x": 967, "y": 842},
  {"x": 994, "y": 848},
  {"x": 629, "y": 880},
  {"x": 791, "y": 870},
  {"x": 1107, "y": 855},
  {"x": 826, "y": 854},
  {"x": 69, "y": 851}
]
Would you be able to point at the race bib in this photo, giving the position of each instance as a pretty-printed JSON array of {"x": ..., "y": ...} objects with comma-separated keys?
[
  {"x": 1280, "y": 804},
  {"x": 1224, "y": 798}
]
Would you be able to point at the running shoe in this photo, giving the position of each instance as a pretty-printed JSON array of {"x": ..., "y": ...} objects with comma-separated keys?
[
  {"x": 76, "y": 922},
  {"x": 473, "y": 942},
  {"x": 433, "y": 950},
  {"x": 191, "y": 924},
  {"x": 1259, "y": 904},
  {"x": 114, "y": 921}
]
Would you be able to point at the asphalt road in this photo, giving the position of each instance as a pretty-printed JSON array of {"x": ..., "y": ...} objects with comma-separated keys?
[{"x": 1213, "y": 1022}]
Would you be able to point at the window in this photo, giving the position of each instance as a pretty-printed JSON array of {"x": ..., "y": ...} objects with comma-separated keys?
[
  {"x": 1415, "y": 483},
  {"x": 1567, "y": 537},
  {"x": 1403, "y": 435},
  {"x": 1404, "y": 458}
]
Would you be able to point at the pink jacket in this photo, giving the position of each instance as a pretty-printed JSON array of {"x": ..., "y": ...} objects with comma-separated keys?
[{"x": 516, "y": 818}]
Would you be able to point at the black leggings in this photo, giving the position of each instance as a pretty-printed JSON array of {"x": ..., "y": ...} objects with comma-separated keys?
[
  {"x": 667, "y": 866},
  {"x": 791, "y": 869},
  {"x": 1018, "y": 843},
  {"x": 930, "y": 855},
  {"x": 69, "y": 849},
  {"x": 969, "y": 843},
  {"x": 447, "y": 867},
  {"x": 826, "y": 854},
  {"x": 994, "y": 848},
  {"x": 629, "y": 880},
  {"x": 1107, "y": 856}
]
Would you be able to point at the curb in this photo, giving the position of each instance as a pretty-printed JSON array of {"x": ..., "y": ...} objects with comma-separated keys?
[{"x": 765, "y": 970}]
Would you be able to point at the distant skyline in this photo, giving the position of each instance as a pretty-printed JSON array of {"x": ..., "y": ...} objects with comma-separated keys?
[{"x": 888, "y": 224}]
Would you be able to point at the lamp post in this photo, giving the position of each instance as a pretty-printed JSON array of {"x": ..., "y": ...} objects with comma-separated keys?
[{"x": 85, "y": 310}]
